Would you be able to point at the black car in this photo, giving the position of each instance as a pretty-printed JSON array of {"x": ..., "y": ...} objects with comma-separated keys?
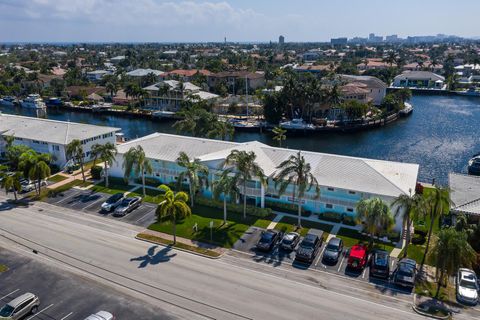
[
  {"x": 127, "y": 205},
  {"x": 404, "y": 274},
  {"x": 333, "y": 250},
  {"x": 308, "y": 248},
  {"x": 380, "y": 264},
  {"x": 268, "y": 240}
]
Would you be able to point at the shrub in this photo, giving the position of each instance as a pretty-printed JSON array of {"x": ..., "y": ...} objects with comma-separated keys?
[
  {"x": 152, "y": 182},
  {"x": 54, "y": 168},
  {"x": 349, "y": 220},
  {"x": 231, "y": 207},
  {"x": 418, "y": 239},
  {"x": 330, "y": 216},
  {"x": 96, "y": 172},
  {"x": 419, "y": 188},
  {"x": 283, "y": 207}
]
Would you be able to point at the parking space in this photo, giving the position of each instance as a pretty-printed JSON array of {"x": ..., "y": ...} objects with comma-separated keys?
[
  {"x": 64, "y": 295},
  {"x": 86, "y": 201}
]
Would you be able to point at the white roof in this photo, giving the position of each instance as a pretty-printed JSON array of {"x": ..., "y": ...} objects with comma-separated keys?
[
  {"x": 357, "y": 174},
  {"x": 173, "y": 84},
  {"x": 465, "y": 193},
  {"x": 144, "y": 72},
  {"x": 420, "y": 75},
  {"x": 52, "y": 131},
  {"x": 203, "y": 95}
]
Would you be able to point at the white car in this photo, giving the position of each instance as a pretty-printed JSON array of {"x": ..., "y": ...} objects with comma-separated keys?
[
  {"x": 101, "y": 315},
  {"x": 467, "y": 286},
  {"x": 113, "y": 202}
]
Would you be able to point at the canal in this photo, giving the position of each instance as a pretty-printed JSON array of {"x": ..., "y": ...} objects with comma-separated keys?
[{"x": 441, "y": 135}]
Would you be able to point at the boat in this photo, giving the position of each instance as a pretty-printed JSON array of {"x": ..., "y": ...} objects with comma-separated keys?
[
  {"x": 406, "y": 111},
  {"x": 246, "y": 124},
  {"x": 297, "y": 124},
  {"x": 474, "y": 165},
  {"x": 163, "y": 114},
  {"x": 33, "y": 101},
  {"x": 471, "y": 92},
  {"x": 54, "y": 102},
  {"x": 101, "y": 107},
  {"x": 8, "y": 101}
]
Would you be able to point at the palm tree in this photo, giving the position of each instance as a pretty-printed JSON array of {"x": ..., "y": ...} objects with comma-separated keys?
[
  {"x": 334, "y": 96},
  {"x": 111, "y": 87},
  {"x": 35, "y": 167},
  {"x": 391, "y": 58},
  {"x": 223, "y": 130},
  {"x": 451, "y": 251},
  {"x": 438, "y": 203},
  {"x": 8, "y": 141},
  {"x": 297, "y": 172},
  {"x": 410, "y": 207},
  {"x": 11, "y": 182},
  {"x": 135, "y": 161},
  {"x": 226, "y": 185},
  {"x": 376, "y": 216},
  {"x": 195, "y": 172},
  {"x": 75, "y": 151},
  {"x": 246, "y": 169},
  {"x": 107, "y": 153},
  {"x": 279, "y": 135},
  {"x": 172, "y": 206}
]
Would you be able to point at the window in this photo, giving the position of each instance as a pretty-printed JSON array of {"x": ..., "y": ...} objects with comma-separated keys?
[
  {"x": 330, "y": 189},
  {"x": 351, "y": 192},
  {"x": 349, "y": 209},
  {"x": 329, "y": 206}
]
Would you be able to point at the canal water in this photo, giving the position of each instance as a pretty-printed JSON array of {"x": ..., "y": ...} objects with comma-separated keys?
[{"x": 441, "y": 135}]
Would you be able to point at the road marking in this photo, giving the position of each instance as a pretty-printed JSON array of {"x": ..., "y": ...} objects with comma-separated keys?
[
  {"x": 67, "y": 197},
  {"x": 36, "y": 314},
  {"x": 319, "y": 259},
  {"x": 341, "y": 262},
  {"x": 68, "y": 315},
  {"x": 9, "y": 294},
  {"x": 94, "y": 202},
  {"x": 363, "y": 274}
]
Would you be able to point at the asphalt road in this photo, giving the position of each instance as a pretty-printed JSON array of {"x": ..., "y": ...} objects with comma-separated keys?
[{"x": 188, "y": 286}]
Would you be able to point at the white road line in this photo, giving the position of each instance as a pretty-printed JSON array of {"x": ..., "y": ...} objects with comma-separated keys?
[
  {"x": 363, "y": 274},
  {"x": 36, "y": 314},
  {"x": 94, "y": 202},
  {"x": 146, "y": 215},
  {"x": 68, "y": 197},
  {"x": 393, "y": 261},
  {"x": 68, "y": 315},
  {"x": 9, "y": 294},
  {"x": 321, "y": 255},
  {"x": 341, "y": 262}
]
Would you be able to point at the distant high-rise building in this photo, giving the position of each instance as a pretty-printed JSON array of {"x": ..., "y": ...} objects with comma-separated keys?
[
  {"x": 373, "y": 38},
  {"x": 392, "y": 38},
  {"x": 281, "y": 40},
  {"x": 338, "y": 41}
]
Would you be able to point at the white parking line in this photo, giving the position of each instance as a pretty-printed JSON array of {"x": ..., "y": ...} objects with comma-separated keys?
[
  {"x": 68, "y": 315},
  {"x": 146, "y": 215},
  {"x": 364, "y": 271},
  {"x": 320, "y": 256},
  {"x": 36, "y": 314},
  {"x": 66, "y": 198},
  {"x": 341, "y": 262},
  {"x": 9, "y": 294},
  {"x": 94, "y": 202}
]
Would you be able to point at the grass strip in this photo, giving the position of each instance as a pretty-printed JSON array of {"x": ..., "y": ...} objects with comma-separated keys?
[{"x": 179, "y": 245}]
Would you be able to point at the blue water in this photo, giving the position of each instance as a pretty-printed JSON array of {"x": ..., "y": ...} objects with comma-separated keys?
[{"x": 441, "y": 135}]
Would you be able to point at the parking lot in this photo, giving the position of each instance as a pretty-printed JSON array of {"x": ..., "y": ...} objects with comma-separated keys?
[
  {"x": 90, "y": 202},
  {"x": 64, "y": 295}
]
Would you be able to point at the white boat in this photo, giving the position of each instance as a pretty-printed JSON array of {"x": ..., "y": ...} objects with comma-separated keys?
[
  {"x": 101, "y": 107},
  {"x": 164, "y": 114},
  {"x": 297, "y": 124},
  {"x": 472, "y": 92},
  {"x": 8, "y": 101},
  {"x": 407, "y": 110},
  {"x": 33, "y": 101}
]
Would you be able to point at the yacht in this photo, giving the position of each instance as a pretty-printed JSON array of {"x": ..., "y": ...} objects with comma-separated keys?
[
  {"x": 8, "y": 101},
  {"x": 471, "y": 92},
  {"x": 33, "y": 101},
  {"x": 297, "y": 124},
  {"x": 474, "y": 165},
  {"x": 407, "y": 110}
]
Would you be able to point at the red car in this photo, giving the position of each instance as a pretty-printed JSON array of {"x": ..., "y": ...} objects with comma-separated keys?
[{"x": 358, "y": 257}]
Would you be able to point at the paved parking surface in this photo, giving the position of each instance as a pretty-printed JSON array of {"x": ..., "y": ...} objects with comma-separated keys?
[
  {"x": 86, "y": 201},
  {"x": 66, "y": 296}
]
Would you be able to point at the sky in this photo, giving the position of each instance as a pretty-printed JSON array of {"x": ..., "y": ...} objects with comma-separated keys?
[{"x": 237, "y": 20}]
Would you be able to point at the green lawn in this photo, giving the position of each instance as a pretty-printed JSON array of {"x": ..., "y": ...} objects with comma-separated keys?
[
  {"x": 351, "y": 237},
  {"x": 416, "y": 252},
  {"x": 151, "y": 194},
  {"x": 288, "y": 224},
  {"x": 222, "y": 235},
  {"x": 115, "y": 186},
  {"x": 57, "y": 178}
]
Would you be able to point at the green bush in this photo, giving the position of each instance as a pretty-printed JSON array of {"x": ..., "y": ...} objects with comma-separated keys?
[
  {"x": 231, "y": 207},
  {"x": 151, "y": 182},
  {"x": 330, "y": 216},
  {"x": 96, "y": 172},
  {"x": 418, "y": 239},
  {"x": 349, "y": 221},
  {"x": 282, "y": 207}
]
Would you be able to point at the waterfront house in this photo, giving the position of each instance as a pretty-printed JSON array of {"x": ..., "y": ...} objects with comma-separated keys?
[
  {"x": 254, "y": 80},
  {"x": 465, "y": 195},
  {"x": 184, "y": 74},
  {"x": 344, "y": 180},
  {"x": 419, "y": 80},
  {"x": 377, "y": 89},
  {"x": 50, "y": 136}
]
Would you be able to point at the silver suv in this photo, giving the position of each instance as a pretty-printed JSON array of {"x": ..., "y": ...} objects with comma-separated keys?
[{"x": 19, "y": 307}]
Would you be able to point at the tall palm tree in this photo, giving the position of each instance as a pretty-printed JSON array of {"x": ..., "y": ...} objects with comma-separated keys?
[
  {"x": 111, "y": 88},
  {"x": 451, "y": 251},
  {"x": 376, "y": 216},
  {"x": 246, "y": 170},
  {"x": 226, "y": 186},
  {"x": 297, "y": 172},
  {"x": 11, "y": 182},
  {"x": 279, "y": 135},
  {"x": 135, "y": 161},
  {"x": 223, "y": 130},
  {"x": 35, "y": 167},
  {"x": 107, "y": 153},
  {"x": 75, "y": 151},
  {"x": 172, "y": 206},
  {"x": 195, "y": 172},
  {"x": 410, "y": 207}
]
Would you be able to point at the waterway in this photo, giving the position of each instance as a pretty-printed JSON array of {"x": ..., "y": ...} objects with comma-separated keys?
[{"x": 441, "y": 135}]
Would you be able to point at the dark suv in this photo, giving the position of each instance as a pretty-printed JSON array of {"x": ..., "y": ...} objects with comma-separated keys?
[
  {"x": 308, "y": 248},
  {"x": 380, "y": 264},
  {"x": 268, "y": 240}
]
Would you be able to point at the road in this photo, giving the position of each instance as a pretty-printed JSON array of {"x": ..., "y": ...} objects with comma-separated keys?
[{"x": 187, "y": 286}]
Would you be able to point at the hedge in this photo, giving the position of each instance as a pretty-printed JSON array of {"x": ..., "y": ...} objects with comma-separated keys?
[
  {"x": 330, "y": 216},
  {"x": 231, "y": 207},
  {"x": 96, "y": 172}
]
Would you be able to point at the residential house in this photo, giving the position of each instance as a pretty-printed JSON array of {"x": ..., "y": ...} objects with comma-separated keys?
[
  {"x": 140, "y": 73},
  {"x": 465, "y": 195},
  {"x": 254, "y": 80},
  {"x": 376, "y": 87},
  {"x": 419, "y": 80},
  {"x": 97, "y": 75},
  {"x": 185, "y": 75},
  {"x": 374, "y": 63}
]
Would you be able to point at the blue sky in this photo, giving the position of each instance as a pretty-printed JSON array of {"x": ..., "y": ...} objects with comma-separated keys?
[{"x": 238, "y": 20}]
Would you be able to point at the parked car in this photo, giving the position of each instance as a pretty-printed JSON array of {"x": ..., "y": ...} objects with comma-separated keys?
[
  {"x": 127, "y": 205},
  {"x": 380, "y": 264},
  {"x": 333, "y": 250},
  {"x": 467, "y": 286},
  {"x": 268, "y": 240},
  {"x": 19, "y": 307},
  {"x": 28, "y": 186},
  {"x": 308, "y": 248},
  {"x": 357, "y": 258},
  {"x": 101, "y": 315},
  {"x": 290, "y": 241},
  {"x": 404, "y": 274},
  {"x": 113, "y": 202}
]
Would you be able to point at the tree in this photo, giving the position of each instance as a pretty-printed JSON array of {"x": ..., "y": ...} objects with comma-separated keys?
[
  {"x": 11, "y": 182},
  {"x": 376, "y": 216},
  {"x": 111, "y": 88},
  {"x": 195, "y": 172},
  {"x": 279, "y": 135},
  {"x": 297, "y": 172},
  {"x": 135, "y": 161},
  {"x": 13, "y": 155},
  {"x": 404, "y": 94},
  {"x": 222, "y": 129},
  {"x": 450, "y": 252},
  {"x": 107, "y": 153},
  {"x": 172, "y": 207},
  {"x": 226, "y": 185},
  {"x": 74, "y": 150},
  {"x": 35, "y": 166},
  {"x": 246, "y": 170}
]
